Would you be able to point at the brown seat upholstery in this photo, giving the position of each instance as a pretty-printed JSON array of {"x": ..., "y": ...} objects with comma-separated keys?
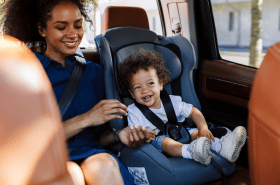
[
  {"x": 32, "y": 143},
  {"x": 119, "y": 16},
  {"x": 264, "y": 121}
]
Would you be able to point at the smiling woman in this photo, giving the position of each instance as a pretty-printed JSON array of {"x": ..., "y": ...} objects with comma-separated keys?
[
  {"x": 63, "y": 32},
  {"x": 53, "y": 30}
]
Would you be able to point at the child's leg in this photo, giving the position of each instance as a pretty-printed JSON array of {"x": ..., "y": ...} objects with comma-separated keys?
[
  {"x": 168, "y": 145},
  {"x": 172, "y": 147},
  {"x": 199, "y": 149}
]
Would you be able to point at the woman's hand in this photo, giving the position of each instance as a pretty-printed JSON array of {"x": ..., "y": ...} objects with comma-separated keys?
[
  {"x": 205, "y": 132},
  {"x": 104, "y": 111},
  {"x": 135, "y": 136}
]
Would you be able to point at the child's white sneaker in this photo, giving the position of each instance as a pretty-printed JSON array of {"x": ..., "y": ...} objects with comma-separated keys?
[
  {"x": 200, "y": 150},
  {"x": 228, "y": 131},
  {"x": 232, "y": 143}
]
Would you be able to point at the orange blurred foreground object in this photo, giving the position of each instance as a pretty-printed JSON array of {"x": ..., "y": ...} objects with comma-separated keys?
[
  {"x": 32, "y": 142},
  {"x": 264, "y": 121}
]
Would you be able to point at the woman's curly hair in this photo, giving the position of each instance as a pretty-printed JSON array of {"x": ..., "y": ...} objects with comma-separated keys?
[
  {"x": 21, "y": 18},
  {"x": 141, "y": 60}
]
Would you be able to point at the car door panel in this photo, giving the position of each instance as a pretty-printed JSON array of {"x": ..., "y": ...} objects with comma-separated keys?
[{"x": 227, "y": 82}]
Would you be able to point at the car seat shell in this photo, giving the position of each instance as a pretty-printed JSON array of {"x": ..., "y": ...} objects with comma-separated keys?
[{"x": 113, "y": 47}]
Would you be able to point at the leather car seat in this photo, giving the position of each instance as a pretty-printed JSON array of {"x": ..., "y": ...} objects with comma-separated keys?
[
  {"x": 120, "y": 16},
  {"x": 264, "y": 121},
  {"x": 32, "y": 142},
  {"x": 113, "y": 47}
]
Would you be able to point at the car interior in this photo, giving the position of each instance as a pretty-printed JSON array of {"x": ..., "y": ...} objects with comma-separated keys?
[{"x": 33, "y": 150}]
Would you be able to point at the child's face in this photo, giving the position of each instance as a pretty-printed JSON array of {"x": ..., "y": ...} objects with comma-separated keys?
[{"x": 145, "y": 88}]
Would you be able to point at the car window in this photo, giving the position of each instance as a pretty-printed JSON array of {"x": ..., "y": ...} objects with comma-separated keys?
[
  {"x": 95, "y": 14},
  {"x": 233, "y": 27}
]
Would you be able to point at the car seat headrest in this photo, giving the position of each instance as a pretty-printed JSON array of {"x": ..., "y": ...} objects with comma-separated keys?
[
  {"x": 128, "y": 40},
  {"x": 120, "y": 16},
  {"x": 125, "y": 36}
]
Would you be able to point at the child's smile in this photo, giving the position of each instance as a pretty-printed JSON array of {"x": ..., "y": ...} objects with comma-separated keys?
[
  {"x": 147, "y": 98},
  {"x": 145, "y": 88}
]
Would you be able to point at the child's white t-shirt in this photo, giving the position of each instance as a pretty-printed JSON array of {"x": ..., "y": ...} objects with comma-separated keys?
[{"x": 182, "y": 111}]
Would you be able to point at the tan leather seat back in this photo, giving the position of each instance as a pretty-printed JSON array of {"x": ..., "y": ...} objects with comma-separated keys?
[
  {"x": 120, "y": 16},
  {"x": 32, "y": 143},
  {"x": 264, "y": 121}
]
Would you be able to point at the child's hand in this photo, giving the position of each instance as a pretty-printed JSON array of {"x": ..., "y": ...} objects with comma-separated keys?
[
  {"x": 205, "y": 132},
  {"x": 151, "y": 134},
  {"x": 135, "y": 136},
  {"x": 151, "y": 139},
  {"x": 132, "y": 136}
]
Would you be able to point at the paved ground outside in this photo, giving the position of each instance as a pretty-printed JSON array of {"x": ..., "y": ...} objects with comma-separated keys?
[{"x": 238, "y": 55}]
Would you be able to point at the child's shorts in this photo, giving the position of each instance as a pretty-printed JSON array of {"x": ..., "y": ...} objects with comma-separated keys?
[{"x": 158, "y": 140}]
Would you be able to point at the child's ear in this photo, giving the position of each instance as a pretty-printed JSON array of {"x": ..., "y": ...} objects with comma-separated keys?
[
  {"x": 130, "y": 92},
  {"x": 161, "y": 85}
]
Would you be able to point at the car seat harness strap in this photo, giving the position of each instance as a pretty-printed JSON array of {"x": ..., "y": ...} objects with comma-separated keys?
[
  {"x": 172, "y": 128},
  {"x": 154, "y": 119}
]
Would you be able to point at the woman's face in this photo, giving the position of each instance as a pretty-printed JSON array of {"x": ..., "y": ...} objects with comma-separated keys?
[{"x": 63, "y": 32}]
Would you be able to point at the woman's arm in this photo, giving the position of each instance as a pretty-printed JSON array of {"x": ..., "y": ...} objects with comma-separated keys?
[
  {"x": 102, "y": 112},
  {"x": 75, "y": 125},
  {"x": 130, "y": 136}
]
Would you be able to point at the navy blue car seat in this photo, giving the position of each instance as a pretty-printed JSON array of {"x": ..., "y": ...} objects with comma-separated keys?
[{"x": 114, "y": 46}]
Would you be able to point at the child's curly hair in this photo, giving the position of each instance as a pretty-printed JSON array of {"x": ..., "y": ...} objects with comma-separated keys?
[
  {"x": 141, "y": 60},
  {"x": 21, "y": 18}
]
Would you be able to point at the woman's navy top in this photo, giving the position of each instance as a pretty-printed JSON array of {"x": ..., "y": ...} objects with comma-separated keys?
[{"x": 90, "y": 92}]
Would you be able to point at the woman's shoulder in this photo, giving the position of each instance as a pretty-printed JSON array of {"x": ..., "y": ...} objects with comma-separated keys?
[
  {"x": 93, "y": 65},
  {"x": 44, "y": 60},
  {"x": 94, "y": 68}
]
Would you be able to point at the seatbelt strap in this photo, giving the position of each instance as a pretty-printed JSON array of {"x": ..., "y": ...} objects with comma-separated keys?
[
  {"x": 220, "y": 170},
  {"x": 73, "y": 83}
]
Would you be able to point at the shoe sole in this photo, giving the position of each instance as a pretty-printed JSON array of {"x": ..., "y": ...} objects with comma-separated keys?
[
  {"x": 203, "y": 154},
  {"x": 240, "y": 141}
]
